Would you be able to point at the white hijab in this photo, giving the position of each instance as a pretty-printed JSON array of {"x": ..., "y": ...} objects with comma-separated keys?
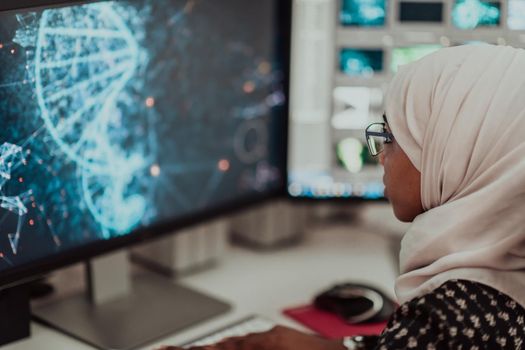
[{"x": 459, "y": 115}]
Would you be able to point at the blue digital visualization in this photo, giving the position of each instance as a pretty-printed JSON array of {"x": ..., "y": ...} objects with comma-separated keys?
[
  {"x": 363, "y": 13},
  {"x": 361, "y": 62},
  {"x": 118, "y": 115},
  {"x": 470, "y": 14}
]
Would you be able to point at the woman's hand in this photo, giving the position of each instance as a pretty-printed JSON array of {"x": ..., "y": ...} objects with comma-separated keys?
[{"x": 279, "y": 338}]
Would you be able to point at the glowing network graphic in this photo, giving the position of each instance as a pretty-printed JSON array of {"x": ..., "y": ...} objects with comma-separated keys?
[{"x": 11, "y": 157}]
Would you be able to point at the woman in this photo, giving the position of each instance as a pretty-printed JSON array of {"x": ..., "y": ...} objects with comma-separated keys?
[{"x": 453, "y": 151}]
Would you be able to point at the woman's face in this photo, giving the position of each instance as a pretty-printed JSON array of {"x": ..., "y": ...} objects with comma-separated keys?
[{"x": 402, "y": 182}]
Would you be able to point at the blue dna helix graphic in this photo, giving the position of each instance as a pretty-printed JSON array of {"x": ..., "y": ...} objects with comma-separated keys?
[{"x": 84, "y": 58}]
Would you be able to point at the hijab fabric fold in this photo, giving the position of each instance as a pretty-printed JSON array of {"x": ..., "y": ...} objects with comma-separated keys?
[{"x": 459, "y": 115}]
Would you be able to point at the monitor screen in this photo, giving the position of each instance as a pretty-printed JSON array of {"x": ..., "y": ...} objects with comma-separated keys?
[
  {"x": 361, "y": 62},
  {"x": 471, "y": 14},
  {"x": 363, "y": 13},
  {"x": 122, "y": 116},
  {"x": 405, "y": 55},
  {"x": 516, "y": 14},
  {"x": 412, "y": 11}
]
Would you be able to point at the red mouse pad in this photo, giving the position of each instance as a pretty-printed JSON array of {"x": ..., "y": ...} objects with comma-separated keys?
[{"x": 330, "y": 325}]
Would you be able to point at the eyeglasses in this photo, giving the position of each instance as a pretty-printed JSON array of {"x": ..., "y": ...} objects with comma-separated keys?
[{"x": 377, "y": 137}]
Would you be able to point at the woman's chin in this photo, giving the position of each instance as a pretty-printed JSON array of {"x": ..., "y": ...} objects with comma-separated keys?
[
  {"x": 402, "y": 217},
  {"x": 402, "y": 214}
]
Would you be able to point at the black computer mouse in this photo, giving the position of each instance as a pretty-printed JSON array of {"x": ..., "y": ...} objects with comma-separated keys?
[{"x": 356, "y": 303}]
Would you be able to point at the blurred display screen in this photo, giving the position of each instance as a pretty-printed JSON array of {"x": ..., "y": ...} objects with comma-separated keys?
[
  {"x": 405, "y": 55},
  {"x": 412, "y": 11},
  {"x": 516, "y": 17},
  {"x": 471, "y": 14},
  {"x": 363, "y": 13},
  {"x": 346, "y": 170},
  {"x": 355, "y": 106},
  {"x": 361, "y": 62}
]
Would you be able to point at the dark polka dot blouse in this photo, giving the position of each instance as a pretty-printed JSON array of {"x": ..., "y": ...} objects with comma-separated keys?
[{"x": 460, "y": 315}]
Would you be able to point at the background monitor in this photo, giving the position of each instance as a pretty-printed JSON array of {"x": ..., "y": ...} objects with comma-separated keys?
[
  {"x": 471, "y": 14},
  {"x": 516, "y": 14},
  {"x": 412, "y": 11},
  {"x": 125, "y": 119},
  {"x": 349, "y": 95},
  {"x": 408, "y": 54},
  {"x": 361, "y": 62},
  {"x": 363, "y": 13}
]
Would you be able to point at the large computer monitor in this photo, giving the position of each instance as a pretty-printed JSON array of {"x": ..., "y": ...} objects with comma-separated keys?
[{"x": 124, "y": 120}]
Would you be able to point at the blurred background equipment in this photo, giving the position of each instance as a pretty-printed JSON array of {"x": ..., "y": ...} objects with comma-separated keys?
[{"x": 344, "y": 57}]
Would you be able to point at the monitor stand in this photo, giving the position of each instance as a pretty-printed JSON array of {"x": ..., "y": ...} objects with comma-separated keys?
[
  {"x": 14, "y": 314},
  {"x": 123, "y": 313}
]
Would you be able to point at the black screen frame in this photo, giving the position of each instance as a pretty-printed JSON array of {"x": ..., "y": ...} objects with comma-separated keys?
[
  {"x": 403, "y": 20},
  {"x": 40, "y": 267}
]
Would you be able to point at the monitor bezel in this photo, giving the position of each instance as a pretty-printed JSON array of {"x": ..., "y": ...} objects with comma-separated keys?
[
  {"x": 441, "y": 22},
  {"x": 42, "y": 266},
  {"x": 14, "y": 5}
]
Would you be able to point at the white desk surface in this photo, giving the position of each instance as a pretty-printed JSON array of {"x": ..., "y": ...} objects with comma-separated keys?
[{"x": 264, "y": 283}]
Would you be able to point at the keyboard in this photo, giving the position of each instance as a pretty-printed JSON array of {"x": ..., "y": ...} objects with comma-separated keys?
[{"x": 252, "y": 324}]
